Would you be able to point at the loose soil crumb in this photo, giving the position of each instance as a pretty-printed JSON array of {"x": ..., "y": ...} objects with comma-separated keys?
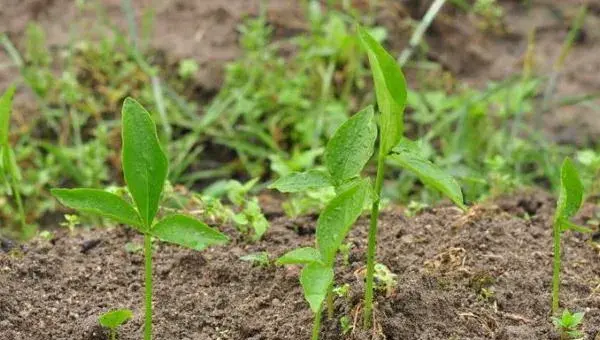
[{"x": 484, "y": 274}]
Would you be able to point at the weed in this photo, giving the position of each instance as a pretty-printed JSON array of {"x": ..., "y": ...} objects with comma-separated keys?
[
  {"x": 145, "y": 168},
  {"x": 569, "y": 202},
  {"x": 10, "y": 173},
  {"x": 346, "y": 324},
  {"x": 568, "y": 325},
  {"x": 71, "y": 222},
  {"x": 260, "y": 259},
  {"x": 114, "y": 319},
  {"x": 385, "y": 280}
]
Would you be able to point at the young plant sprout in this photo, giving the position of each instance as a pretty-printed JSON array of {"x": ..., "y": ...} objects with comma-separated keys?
[
  {"x": 145, "y": 168},
  {"x": 569, "y": 202},
  {"x": 114, "y": 319},
  {"x": 568, "y": 325},
  {"x": 9, "y": 170},
  {"x": 346, "y": 155},
  {"x": 390, "y": 91}
]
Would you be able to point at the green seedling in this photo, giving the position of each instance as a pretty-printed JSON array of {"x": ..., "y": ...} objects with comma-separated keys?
[
  {"x": 114, "y": 319},
  {"x": 569, "y": 202},
  {"x": 385, "y": 280},
  {"x": 347, "y": 153},
  {"x": 345, "y": 324},
  {"x": 568, "y": 325},
  {"x": 9, "y": 170},
  {"x": 390, "y": 91},
  {"x": 145, "y": 168},
  {"x": 260, "y": 259}
]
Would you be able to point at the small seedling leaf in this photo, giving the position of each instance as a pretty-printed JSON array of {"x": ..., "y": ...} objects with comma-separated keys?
[
  {"x": 338, "y": 216},
  {"x": 568, "y": 225},
  {"x": 390, "y": 90},
  {"x": 144, "y": 162},
  {"x": 115, "y": 318},
  {"x": 304, "y": 255},
  {"x": 99, "y": 202},
  {"x": 5, "y": 108},
  {"x": 407, "y": 155},
  {"x": 316, "y": 280},
  {"x": 302, "y": 181},
  {"x": 571, "y": 191},
  {"x": 188, "y": 232},
  {"x": 351, "y": 146}
]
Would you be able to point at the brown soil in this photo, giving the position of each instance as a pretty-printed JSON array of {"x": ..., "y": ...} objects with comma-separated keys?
[
  {"x": 444, "y": 259},
  {"x": 207, "y": 32}
]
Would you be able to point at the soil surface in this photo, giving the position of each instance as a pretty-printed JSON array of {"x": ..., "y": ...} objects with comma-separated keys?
[
  {"x": 484, "y": 274},
  {"x": 207, "y": 32}
]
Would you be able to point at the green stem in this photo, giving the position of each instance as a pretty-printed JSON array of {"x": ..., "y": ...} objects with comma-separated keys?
[
  {"x": 148, "y": 260},
  {"x": 19, "y": 203},
  {"x": 316, "y": 325},
  {"x": 368, "y": 312},
  {"x": 113, "y": 334},
  {"x": 556, "y": 273}
]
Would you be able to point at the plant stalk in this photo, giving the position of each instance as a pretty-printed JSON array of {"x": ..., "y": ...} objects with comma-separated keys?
[
  {"x": 113, "y": 334},
  {"x": 556, "y": 272},
  {"x": 316, "y": 325},
  {"x": 19, "y": 201},
  {"x": 368, "y": 312},
  {"x": 148, "y": 286}
]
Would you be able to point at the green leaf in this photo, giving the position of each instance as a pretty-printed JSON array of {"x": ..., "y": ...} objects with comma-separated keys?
[
  {"x": 571, "y": 191},
  {"x": 144, "y": 162},
  {"x": 351, "y": 146},
  {"x": 568, "y": 225},
  {"x": 390, "y": 89},
  {"x": 188, "y": 232},
  {"x": 302, "y": 181},
  {"x": 99, "y": 202},
  {"x": 115, "y": 318},
  {"x": 316, "y": 280},
  {"x": 337, "y": 218},
  {"x": 407, "y": 155},
  {"x": 5, "y": 108},
  {"x": 304, "y": 255}
]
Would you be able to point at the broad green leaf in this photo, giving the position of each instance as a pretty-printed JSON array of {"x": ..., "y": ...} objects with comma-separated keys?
[
  {"x": 115, "y": 318},
  {"x": 407, "y": 155},
  {"x": 390, "y": 89},
  {"x": 99, "y": 202},
  {"x": 145, "y": 165},
  {"x": 5, "y": 108},
  {"x": 188, "y": 232},
  {"x": 571, "y": 191},
  {"x": 568, "y": 225},
  {"x": 304, "y": 255},
  {"x": 302, "y": 181},
  {"x": 351, "y": 146},
  {"x": 316, "y": 280},
  {"x": 337, "y": 218}
]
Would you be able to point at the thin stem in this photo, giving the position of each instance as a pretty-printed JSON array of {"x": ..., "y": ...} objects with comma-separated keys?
[
  {"x": 368, "y": 312},
  {"x": 19, "y": 204},
  {"x": 113, "y": 334},
  {"x": 417, "y": 35},
  {"x": 556, "y": 273},
  {"x": 148, "y": 260},
  {"x": 316, "y": 325}
]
